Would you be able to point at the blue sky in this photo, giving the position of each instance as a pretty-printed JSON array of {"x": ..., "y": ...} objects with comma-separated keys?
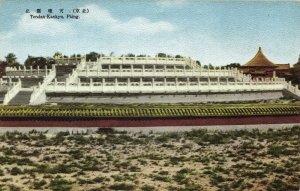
[{"x": 216, "y": 32}]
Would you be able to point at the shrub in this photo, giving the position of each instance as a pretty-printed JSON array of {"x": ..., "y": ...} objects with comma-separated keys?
[
  {"x": 39, "y": 184},
  {"x": 277, "y": 150},
  {"x": 163, "y": 172},
  {"x": 14, "y": 188},
  {"x": 161, "y": 178},
  {"x": 59, "y": 184},
  {"x": 147, "y": 188},
  {"x": 122, "y": 186},
  {"x": 176, "y": 160},
  {"x": 135, "y": 169},
  {"x": 15, "y": 171},
  {"x": 184, "y": 171},
  {"x": 235, "y": 184},
  {"x": 99, "y": 179},
  {"x": 181, "y": 178},
  {"x": 192, "y": 187},
  {"x": 214, "y": 138},
  {"x": 216, "y": 179},
  {"x": 279, "y": 185}
]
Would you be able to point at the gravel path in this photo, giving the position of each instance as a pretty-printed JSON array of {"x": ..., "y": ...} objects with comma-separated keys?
[{"x": 54, "y": 130}]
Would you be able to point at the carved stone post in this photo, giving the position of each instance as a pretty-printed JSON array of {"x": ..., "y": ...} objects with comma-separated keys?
[
  {"x": 66, "y": 85},
  {"x": 46, "y": 71},
  {"x": 91, "y": 84},
  {"x": 152, "y": 84},
  {"x": 55, "y": 84},
  {"x": 87, "y": 70},
  {"x": 141, "y": 81},
  {"x": 128, "y": 83}
]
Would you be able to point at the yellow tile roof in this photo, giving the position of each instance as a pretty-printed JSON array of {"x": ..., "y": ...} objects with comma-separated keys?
[{"x": 259, "y": 60}]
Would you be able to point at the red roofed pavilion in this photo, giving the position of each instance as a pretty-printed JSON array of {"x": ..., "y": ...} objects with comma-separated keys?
[{"x": 261, "y": 67}]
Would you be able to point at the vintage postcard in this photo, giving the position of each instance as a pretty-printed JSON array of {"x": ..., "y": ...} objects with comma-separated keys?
[{"x": 149, "y": 95}]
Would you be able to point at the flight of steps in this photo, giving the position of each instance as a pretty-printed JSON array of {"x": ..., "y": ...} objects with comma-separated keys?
[
  {"x": 62, "y": 71},
  {"x": 22, "y": 98},
  {"x": 30, "y": 82},
  {"x": 2, "y": 95}
]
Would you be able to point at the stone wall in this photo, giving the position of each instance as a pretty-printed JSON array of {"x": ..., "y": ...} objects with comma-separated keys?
[{"x": 163, "y": 98}]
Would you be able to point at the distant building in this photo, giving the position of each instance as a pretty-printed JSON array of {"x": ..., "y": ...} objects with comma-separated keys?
[
  {"x": 296, "y": 71},
  {"x": 283, "y": 71},
  {"x": 261, "y": 67}
]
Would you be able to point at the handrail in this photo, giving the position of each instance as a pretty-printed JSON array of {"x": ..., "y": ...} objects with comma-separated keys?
[
  {"x": 11, "y": 93},
  {"x": 156, "y": 72},
  {"x": 25, "y": 71},
  {"x": 72, "y": 77},
  {"x": 37, "y": 91},
  {"x": 292, "y": 89},
  {"x": 140, "y": 58},
  {"x": 158, "y": 86},
  {"x": 5, "y": 85}
]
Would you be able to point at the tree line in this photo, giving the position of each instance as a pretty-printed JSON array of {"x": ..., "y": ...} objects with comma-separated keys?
[{"x": 11, "y": 59}]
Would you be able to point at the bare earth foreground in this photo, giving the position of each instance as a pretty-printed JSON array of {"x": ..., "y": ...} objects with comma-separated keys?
[{"x": 119, "y": 160}]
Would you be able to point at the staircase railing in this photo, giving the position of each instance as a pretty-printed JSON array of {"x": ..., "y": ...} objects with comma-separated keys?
[
  {"x": 38, "y": 91},
  {"x": 292, "y": 89},
  {"x": 11, "y": 93},
  {"x": 72, "y": 77}
]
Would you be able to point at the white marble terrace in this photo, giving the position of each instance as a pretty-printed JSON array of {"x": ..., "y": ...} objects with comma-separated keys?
[{"x": 139, "y": 75}]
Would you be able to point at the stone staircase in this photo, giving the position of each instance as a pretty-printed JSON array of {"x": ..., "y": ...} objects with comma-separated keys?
[
  {"x": 30, "y": 82},
  {"x": 22, "y": 98},
  {"x": 63, "y": 71},
  {"x": 2, "y": 94}
]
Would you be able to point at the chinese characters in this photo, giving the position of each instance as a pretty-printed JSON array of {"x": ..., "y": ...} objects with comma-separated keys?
[{"x": 56, "y": 13}]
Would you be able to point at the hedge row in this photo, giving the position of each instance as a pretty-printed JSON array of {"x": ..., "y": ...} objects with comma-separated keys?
[{"x": 139, "y": 111}]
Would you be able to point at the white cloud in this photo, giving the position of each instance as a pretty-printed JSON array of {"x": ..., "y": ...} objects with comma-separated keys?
[
  {"x": 50, "y": 27},
  {"x": 170, "y": 3},
  {"x": 98, "y": 16},
  {"x": 137, "y": 25},
  {"x": 6, "y": 36},
  {"x": 140, "y": 25}
]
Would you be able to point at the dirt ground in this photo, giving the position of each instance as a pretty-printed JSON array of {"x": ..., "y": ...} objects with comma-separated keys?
[{"x": 118, "y": 160}]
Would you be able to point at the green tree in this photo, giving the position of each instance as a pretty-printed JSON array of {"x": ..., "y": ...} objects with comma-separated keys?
[
  {"x": 75, "y": 56},
  {"x": 130, "y": 55},
  {"x": 210, "y": 66},
  {"x": 92, "y": 56},
  {"x": 57, "y": 55},
  {"x": 37, "y": 61},
  {"x": 233, "y": 65},
  {"x": 11, "y": 60},
  {"x": 162, "y": 55}
]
